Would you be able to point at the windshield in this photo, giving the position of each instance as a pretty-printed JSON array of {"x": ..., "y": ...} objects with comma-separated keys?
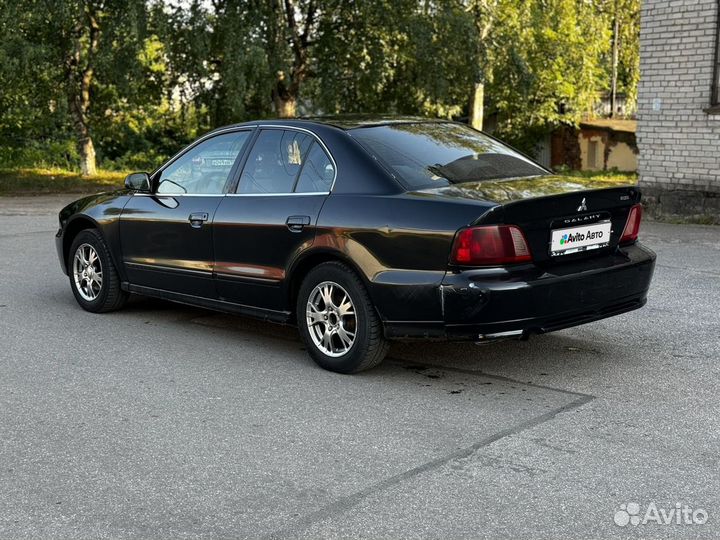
[{"x": 436, "y": 154}]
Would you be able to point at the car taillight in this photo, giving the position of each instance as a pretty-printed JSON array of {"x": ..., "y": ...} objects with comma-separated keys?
[
  {"x": 632, "y": 226},
  {"x": 490, "y": 245}
]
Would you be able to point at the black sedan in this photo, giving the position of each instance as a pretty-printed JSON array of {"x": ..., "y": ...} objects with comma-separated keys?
[{"x": 361, "y": 231}]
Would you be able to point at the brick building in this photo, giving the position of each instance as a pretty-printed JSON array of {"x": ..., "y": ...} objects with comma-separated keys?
[{"x": 679, "y": 108}]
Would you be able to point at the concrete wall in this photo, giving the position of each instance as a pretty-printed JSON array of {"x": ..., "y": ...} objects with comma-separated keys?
[{"x": 679, "y": 142}]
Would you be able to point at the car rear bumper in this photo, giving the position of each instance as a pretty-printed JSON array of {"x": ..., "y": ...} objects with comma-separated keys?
[{"x": 500, "y": 303}]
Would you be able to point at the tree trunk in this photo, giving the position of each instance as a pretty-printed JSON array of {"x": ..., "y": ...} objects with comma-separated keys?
[
  {"x": 477, "y": 105},
  {"x": 285, "y": 107},
  {"x": 294, "y": 28},
  {"x": 85, "y": 145},
  {"x": 80, "y": 72},
  {"x": 87, "y": 157},
  {"x": 614, "y": 78},
  {"x": 78, "y": 107},
  {"x": 484, "y": 12},
  {"x": 284, "y": 96}
]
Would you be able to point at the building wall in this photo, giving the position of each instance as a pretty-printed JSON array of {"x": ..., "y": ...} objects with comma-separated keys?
[
  {"x": 592, "y": 150},
  {"x": 602, "y": 150},
  {"x": 623, "y": 158},
  {"x": 679, "y": 143},
  {"x": 594, "y": 146}
]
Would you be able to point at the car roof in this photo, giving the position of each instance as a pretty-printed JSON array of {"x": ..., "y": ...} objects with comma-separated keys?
[
  {"x": 353, "y": 121},
  {"x": 344, "y": 122}
]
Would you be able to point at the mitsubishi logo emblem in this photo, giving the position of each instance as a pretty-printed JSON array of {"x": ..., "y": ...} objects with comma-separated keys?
[{"x": 582, "y": 207}]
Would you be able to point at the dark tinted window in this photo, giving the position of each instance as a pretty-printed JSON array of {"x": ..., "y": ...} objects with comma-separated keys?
[
  {"x": 274, "y": 162},
  {"x": 318, "y": 173},
  {"x": 204, "y": 168},
  {"x": 428, "y": 154}
]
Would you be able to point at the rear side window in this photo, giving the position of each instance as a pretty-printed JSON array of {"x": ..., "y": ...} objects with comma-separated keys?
[
  {"x": 274, "y": 161},
  {"x": 436, "y": 154},
  {"x": 317, "y": 173}
]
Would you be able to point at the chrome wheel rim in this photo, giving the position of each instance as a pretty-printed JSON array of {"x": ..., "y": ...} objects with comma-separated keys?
[
  {"x": 331, "y": 319},
  {"x": 87, "y": 272}
]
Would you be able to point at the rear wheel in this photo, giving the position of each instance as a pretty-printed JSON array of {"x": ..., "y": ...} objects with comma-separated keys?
[
  {"x": 337, "y": 320},
  {"x": 93, "y": 277}
]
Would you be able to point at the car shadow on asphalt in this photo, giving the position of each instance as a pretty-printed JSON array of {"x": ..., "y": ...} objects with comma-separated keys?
[{"x": 530, "y": 361}]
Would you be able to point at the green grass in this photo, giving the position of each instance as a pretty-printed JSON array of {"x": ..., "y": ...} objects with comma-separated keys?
[
  {"x": 614, "y": 177},
  {"x": 36, "y": 181}
]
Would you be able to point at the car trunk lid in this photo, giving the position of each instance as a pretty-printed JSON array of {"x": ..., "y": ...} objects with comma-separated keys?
[{"x": 540, "y": 205}]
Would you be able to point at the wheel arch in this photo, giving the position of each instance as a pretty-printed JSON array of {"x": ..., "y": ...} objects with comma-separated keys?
[
  {"x": 74, "y": 227},
  {"x": 108, "y": 231},
  {"x": 304, "y": 264}
]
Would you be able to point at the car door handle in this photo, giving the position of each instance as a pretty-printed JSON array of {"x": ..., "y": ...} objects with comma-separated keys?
[
  {"x": 196, "y": 219},
  {"x": 297, "y": 223}
]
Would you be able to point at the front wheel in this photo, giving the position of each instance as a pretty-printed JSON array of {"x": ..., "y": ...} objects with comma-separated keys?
[
  {"x": 93, "y": 278},
  {"x": 337, "y": 320}
]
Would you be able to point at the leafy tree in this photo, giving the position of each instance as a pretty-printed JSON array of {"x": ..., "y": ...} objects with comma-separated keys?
[
  {"x": 358, "y": 55},
  {"x": 67, "y": 40},
  {"x": 132, "y": 80},
  {"x": 337, "y": 56},
  {"x": 290, "y": 30},
  {"x": 239, "y": 58},
  {"x": 547, "y": 66},
  {"x": 399, "y": 56},
  {"x": 29, "y": 104},
  {"x": 441, "y": 61}
]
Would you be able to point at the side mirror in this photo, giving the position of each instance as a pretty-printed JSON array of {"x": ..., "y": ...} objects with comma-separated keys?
[{"x": 139, "y": 181}]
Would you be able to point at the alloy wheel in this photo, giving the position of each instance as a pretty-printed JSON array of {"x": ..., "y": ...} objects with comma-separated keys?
[
  {"x": 331, "y": 319},
  {"x": 87, "y": 272}
]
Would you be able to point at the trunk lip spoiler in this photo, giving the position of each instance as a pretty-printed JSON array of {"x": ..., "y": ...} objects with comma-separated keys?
[{"x": 502, "y": 192}]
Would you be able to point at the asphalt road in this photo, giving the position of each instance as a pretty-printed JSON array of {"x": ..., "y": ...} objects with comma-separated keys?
[{"x": 164, "y": 421}]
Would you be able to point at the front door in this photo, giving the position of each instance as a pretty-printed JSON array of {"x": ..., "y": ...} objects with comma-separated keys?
[
  {"x": 166, "y": 237},
  {"x": 270, "y": 219}
]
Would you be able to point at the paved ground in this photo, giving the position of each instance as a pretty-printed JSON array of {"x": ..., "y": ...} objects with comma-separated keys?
[{"x": 165, "y": 421}]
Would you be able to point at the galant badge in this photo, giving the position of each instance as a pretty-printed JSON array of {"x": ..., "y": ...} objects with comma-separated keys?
[{"x": 582, "y": 207}]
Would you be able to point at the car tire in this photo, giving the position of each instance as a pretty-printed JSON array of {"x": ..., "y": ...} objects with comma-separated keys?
[
  {"x": 98, "y": 293},
  {"x": 334, "y": 302}
]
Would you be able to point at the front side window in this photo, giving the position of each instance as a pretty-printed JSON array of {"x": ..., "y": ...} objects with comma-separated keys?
[
  {"x": 437, "y": 154},
  {"x": 275, "y": 161},
  {"x": 203, "y": 169}
]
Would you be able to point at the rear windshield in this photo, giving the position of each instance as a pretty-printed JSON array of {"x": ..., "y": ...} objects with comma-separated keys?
[{"x": 436, "y": 154}]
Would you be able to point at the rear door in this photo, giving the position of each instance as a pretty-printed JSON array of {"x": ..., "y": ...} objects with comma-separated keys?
[
  {"x": 166, "y": 236},
  {"x": 270, "y": 218}
]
